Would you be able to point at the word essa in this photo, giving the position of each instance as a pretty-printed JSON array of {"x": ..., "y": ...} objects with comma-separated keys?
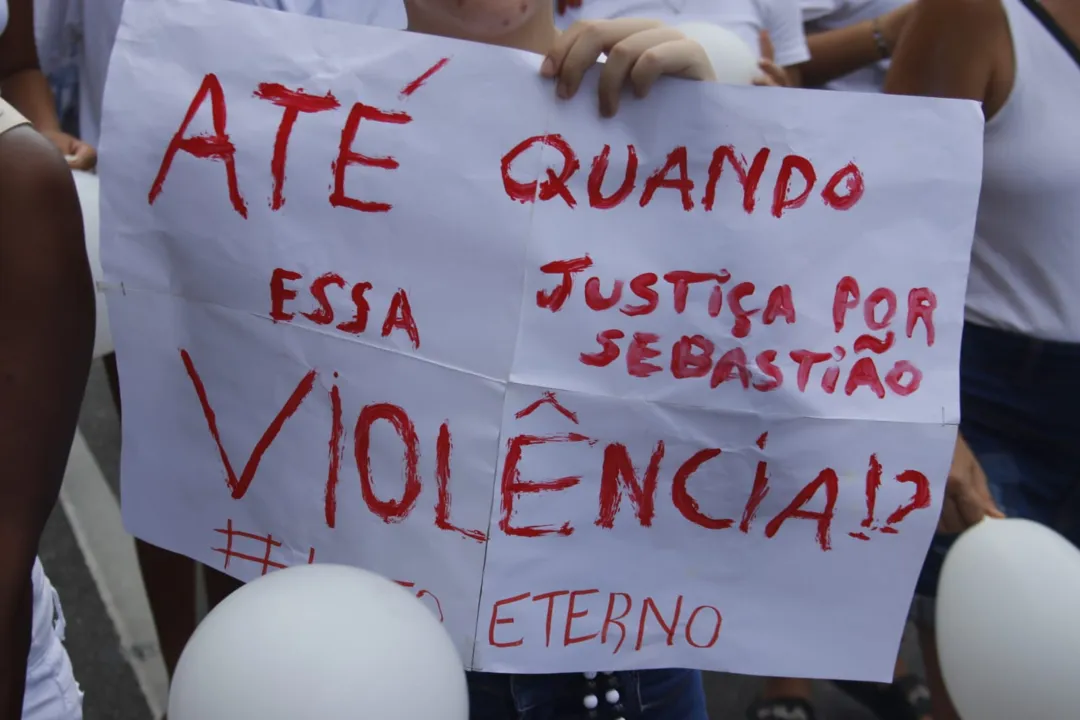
[
  {"x": 842, "y": 191},
  {"x": 399, "y": 315},
  {"x": 569, "y": 610},
  {"x": 266, "y": 545},
  {"x": 617, "y": 473}
]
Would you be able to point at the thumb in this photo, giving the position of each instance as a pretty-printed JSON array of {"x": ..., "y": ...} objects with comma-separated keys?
[
  {"x": 768, "y": 52},
  {"x": 83, "y": 157},
  {"x": 976, "y": 502}
]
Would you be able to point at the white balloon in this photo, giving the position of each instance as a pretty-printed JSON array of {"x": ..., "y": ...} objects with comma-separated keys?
[
  {"x": 88, "y": 187},
  {"x": 1008, "y": 623},
  {"x": 319, "y": 642},
  {"x": 733, "y": 61}
]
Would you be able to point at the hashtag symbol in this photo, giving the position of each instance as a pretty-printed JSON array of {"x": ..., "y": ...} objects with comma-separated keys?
[{"x": 268, "y": 542}]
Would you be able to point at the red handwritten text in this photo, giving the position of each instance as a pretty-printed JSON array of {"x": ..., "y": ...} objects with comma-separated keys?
[
  {"x": 283, "y": 291},
  {"x": 795, "y": 181},
  {"x": 574, "y": 617}
]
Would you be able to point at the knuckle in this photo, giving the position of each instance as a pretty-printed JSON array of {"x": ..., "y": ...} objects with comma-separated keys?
[
  {"x": 620, "y": 53},
  {"x": 588, "y": 30},
  {"x": 650, "y": 60}
]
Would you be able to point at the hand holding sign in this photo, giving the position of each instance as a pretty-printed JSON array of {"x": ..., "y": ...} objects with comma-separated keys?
[
  {"x": 967, "y": 493},
  {"x": 638, "y": 52}
]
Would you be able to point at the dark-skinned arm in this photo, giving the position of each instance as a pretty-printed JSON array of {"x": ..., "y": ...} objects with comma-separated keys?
[
  {"x": 948, "y": 50},
  {"x": 47, "y": 295},
  {"x": 24, "y": 86},
  {"x": 21, "y": 81},
  {"x": 836, "y": 53}
]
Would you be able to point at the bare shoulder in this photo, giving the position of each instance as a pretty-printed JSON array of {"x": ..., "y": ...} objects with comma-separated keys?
[
  {"x": 29, "y": 164},
  {"x": 952, "y": 49},
  {"x": 39, "y": 206},
  {"x": 967, "y": 8},
  {"x": 979, "y": 16}
]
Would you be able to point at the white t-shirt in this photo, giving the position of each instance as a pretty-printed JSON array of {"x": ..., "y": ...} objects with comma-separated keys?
[
  {"x": 380, "y": 13},
  {"x": 746, "y": 18},
  {"x": 86, "y": 29},
  {"x": 822, "y": 15},
  {"x": 81, "y": 32}
]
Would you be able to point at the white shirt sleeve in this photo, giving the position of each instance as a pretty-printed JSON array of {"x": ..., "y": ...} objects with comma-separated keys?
[
  {"x": 783, "y": 21},
  {"x": 380, "y": 13},
  {"x": 816, "y": 9},
  {"x": 302, "y": 7}
]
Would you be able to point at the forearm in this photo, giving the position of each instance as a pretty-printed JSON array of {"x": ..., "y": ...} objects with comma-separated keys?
[
  {"x": 835, "y": 53},
  {"x": 28, "y": 91}
]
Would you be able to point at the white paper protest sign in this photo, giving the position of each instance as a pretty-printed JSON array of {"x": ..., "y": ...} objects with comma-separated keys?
[{"x": 673, "y": 389}]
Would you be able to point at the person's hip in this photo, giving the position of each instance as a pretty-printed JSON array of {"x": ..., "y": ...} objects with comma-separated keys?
[
  {"x": 1018, "y": 413},
  {"x": 642, "y": 695},
  {"x": 51, "y": 690}
]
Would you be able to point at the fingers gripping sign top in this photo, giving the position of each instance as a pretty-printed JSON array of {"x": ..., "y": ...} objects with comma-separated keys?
[{"x": 638, "y": 52}]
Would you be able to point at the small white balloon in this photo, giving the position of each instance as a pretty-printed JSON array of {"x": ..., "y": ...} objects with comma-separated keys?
[
  {"x": 733, "y": 61},
  {"x": 1008, "y": 632},
  {"x": 319, "y": 641}
]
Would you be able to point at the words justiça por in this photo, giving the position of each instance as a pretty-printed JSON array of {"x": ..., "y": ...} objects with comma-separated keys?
[
  {"x": 618, "y": 475},
  {"x": 692, "y": 356},
  {"x": 796, "y": 181}
]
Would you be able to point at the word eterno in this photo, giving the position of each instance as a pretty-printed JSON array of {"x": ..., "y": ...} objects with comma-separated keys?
[{"x": 700, "y": 625}]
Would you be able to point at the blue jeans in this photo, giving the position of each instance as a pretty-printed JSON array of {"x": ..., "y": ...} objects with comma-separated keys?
[
  {"x": 642, "y": 695},
  {"x": 1020, "y": 414}
]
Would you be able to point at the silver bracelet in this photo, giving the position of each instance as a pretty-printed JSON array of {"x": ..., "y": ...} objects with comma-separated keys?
[{"x": 879, "y": 40}]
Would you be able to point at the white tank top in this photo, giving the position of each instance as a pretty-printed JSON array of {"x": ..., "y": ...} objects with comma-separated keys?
[{"x": 1025, "y": 263}]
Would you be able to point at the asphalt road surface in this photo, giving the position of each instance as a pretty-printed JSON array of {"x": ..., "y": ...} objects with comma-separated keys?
[{"x": 110, "y": 633}]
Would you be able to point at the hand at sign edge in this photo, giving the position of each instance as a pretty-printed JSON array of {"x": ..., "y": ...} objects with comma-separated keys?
[
  {"x": 772, "y": 75},
  {"x": 79, "y": 155},
  {"x": 967, "y": 493},
  {"x": 638, "y": 52}
]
